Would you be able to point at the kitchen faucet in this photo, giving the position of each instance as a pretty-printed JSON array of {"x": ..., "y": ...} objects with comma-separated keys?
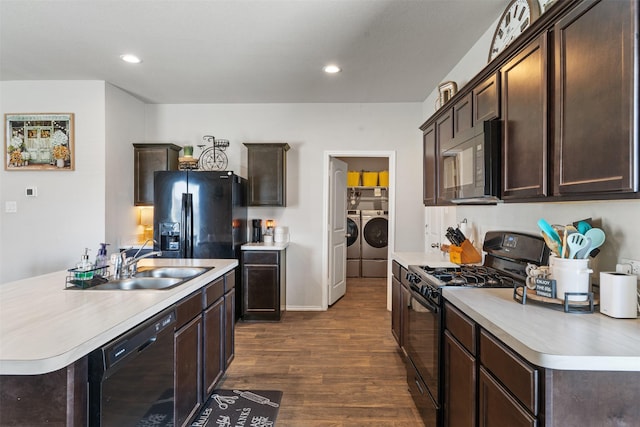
[{"x": 128, "y": 266}]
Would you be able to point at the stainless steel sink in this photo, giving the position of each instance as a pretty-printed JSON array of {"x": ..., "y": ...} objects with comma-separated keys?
[
  {"x": 176, "y": 272},
  {"x": 152, "y": 278},
  {"x": 133, "y": 283}
]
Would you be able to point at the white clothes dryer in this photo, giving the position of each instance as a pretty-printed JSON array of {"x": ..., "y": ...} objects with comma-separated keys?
[{"x": 375, "y": 229}]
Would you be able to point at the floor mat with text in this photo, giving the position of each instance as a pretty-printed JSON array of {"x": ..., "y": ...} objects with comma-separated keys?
[{"x": 240, "y": 408}]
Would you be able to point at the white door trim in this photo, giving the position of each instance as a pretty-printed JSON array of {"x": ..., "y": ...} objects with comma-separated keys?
[{"x": 391, "y": 155}]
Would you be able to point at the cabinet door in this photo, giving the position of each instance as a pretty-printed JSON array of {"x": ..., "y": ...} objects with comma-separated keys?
[
  {"x": 267, "y": 170},
  {"x": 486, "y": 100},
  {"x": 429, "y": 170},
  {"x": 524, "y": 114},
  {"x": 404, "y": 324},
  {"x": 444, "y": 136},
  {"x": 459, "y": 385},
  {"x": 497, "y": 408},
  {"x": 261, "y": 297},
  {"x": 229, "y": 326},
  {"x": 187, "y": 371},
  {"x": 149, "y": 158},
  {"x": 463, "y": 115},
  {"x": 595, "y": 93},
  {"x": 213, "y": 345},
  {"x": 396, "y": 309}
]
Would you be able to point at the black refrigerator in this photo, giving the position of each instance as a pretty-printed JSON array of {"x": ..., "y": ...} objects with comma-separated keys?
[{"x": 200, "y": 215}]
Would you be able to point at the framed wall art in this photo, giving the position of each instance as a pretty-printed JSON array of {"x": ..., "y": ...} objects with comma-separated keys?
[{"x": 39, "y": 141}]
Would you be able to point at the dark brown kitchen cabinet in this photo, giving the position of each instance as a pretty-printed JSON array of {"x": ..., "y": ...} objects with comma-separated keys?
[
  {"x": 214, "y": 334},
  {"x": 400, "y": 296},
  {"x": 498, "y": 408},
  {"x": 429, "y": 171},
  {"x": 595, "y": 56},
  {"x": 148, "y": 158},
  {"x": 188, "y": 361},
  {"x": 267, "y": 170},
  {"x": 459, "y": 369},
  {"x": 463, "y": 115},
  {"x": 229, "y": 317},
  {"x": 264, "y": 284},
  {"x": 444, "y": 135},
  {"x": 524, "y": 116},
  {"x": 486, "y": 100}
]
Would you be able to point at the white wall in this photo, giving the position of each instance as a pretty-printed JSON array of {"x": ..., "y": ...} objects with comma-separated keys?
[
  {"x": 49, "y": 232},
  {"x": 310, "y": 130},
  {"x": 125, "y": 117}
]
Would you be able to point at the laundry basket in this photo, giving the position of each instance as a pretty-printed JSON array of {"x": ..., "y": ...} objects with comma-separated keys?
[
  {"x": 353, "y": 179},
  {"x": 384, "y": 178},
  {"x": 370, "y": 179}
]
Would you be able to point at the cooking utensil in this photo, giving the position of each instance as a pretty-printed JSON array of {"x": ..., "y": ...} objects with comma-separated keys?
[
  {"x": 597, "y": 237},
  {"x": 584, "y": 252},
  {"x": 564, "y": 244},
  {"x": 583, "y": 227},
  {"x": 552, "y": 244},
  {"x": 575, "y": 242},
  {"x": 548, "y": 230}
]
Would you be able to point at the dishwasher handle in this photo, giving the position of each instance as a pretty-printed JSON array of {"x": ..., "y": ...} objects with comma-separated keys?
[{"x": 137, "y": 340}]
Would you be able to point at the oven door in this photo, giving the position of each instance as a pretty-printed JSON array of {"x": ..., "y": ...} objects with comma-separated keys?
[{"x": 423, "y": 346}]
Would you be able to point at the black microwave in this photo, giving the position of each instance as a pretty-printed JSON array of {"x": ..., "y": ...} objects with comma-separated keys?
[{"x": 469, "y": 166}]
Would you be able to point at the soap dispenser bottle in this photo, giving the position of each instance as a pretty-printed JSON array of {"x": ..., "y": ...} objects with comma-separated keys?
[
  {"x": 84, "y": 269},
  {"x": 101, "y": 260}
]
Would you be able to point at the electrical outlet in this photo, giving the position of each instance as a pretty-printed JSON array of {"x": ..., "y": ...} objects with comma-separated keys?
[{"x": 635, "y": 265}]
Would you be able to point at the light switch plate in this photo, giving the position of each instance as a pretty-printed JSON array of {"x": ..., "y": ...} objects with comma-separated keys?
[{"x": 11, "y": 207}]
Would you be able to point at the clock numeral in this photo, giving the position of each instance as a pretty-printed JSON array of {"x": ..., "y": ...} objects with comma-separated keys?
[
  {"x": 524, "y": 25},
  {"x": 522, "y": 12}
]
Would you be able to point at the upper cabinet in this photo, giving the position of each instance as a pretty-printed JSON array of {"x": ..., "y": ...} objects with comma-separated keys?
[
  {"x": 267, "y": 164},
  {"x": 524, "y": 123},
  {"x": 566, "y": 93},
  {"x": 148, "y": 158},
  {"x": 595, "y": 147}
]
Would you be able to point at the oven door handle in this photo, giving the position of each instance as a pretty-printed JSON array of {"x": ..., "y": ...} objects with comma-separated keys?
[{"x": 425, "y": 302}]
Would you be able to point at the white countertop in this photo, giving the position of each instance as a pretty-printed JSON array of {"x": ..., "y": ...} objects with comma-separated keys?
[
  {"x": 261, "y": 246},
  {"x": 439, "y": 259},
  {"x": 551, "y": 338},
  {"x": 44, "y": 327}
]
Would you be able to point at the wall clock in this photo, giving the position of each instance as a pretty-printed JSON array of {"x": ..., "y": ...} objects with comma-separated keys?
[{"x": 516, "y": 18}]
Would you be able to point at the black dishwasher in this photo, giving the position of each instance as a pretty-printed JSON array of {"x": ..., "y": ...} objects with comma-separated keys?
[{"x": 131, "y": 378}]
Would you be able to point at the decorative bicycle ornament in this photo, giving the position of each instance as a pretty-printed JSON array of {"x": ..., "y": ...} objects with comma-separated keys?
[{"x": 213, "y": 158}]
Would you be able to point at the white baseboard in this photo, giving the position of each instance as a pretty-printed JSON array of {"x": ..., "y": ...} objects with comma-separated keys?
[{"x": 304, "y": 308}]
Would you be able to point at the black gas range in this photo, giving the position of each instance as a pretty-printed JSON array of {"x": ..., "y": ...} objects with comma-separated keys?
[{"x": 506, "y": 257}]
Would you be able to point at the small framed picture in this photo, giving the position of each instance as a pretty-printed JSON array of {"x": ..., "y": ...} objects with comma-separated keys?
[{"x": 39, "y": 141}]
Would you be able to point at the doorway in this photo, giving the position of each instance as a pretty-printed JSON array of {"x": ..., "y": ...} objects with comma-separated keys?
[{"x": 372, "y": 197}]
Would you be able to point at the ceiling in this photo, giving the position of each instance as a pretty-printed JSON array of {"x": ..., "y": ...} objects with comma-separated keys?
[{"x": 244, "y": 51}]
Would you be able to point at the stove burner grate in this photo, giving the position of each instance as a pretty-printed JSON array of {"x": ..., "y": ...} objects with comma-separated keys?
[{"x": 469, "y": 275}]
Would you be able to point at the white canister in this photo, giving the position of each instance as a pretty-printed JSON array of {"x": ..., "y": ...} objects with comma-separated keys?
[
  {"x": 571, "y": 275},
  {"x": 280, "y": 235},
  {"x": 618, "y": 296}
]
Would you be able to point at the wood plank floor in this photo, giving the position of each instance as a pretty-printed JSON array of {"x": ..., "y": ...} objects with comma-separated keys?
[{"x": 339, "y": 368}]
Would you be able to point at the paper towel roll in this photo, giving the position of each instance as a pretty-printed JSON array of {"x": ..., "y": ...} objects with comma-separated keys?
[{"x": 618, "y": 295}]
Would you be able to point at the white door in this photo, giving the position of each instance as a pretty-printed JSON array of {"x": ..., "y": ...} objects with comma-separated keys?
[{"x": 337, "y": 229}]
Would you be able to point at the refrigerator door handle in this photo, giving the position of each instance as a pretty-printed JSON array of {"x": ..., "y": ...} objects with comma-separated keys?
[{"x": 187, "y": 214}]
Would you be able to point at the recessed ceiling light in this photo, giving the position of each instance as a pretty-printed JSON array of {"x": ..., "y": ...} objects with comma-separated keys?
[
  {"x": 332, "y": 69},
  {"x": 132, "y": 59}
]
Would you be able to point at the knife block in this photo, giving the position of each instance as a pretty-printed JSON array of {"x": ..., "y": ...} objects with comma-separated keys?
[{"x": 464, "y": 254}]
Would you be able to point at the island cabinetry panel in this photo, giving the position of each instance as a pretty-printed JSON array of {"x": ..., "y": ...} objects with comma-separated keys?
[
  {"x": 595, "y": 67},
  {"x": 187, "y": 339},
  {"x": 459, "y": 369},
  {"x": 264, "y": 284},
  {"x": 148, "y": 158},
  {"x": 214, "y": 335},
  {"x": 57, "y": 399},
  {"x": 267, "y": 170},
  {"x": 229, "y": 317},
  {"x": 498, "y": 408},
  {"x": 524, "y": 121}
]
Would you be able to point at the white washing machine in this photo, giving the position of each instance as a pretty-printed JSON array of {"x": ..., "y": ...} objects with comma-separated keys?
[
  {"x": 375, "y": 231},
  {"x": 354, "y": 252}
]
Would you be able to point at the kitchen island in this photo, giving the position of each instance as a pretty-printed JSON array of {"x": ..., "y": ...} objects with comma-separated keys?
[{"x": 47, "y": 332}]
